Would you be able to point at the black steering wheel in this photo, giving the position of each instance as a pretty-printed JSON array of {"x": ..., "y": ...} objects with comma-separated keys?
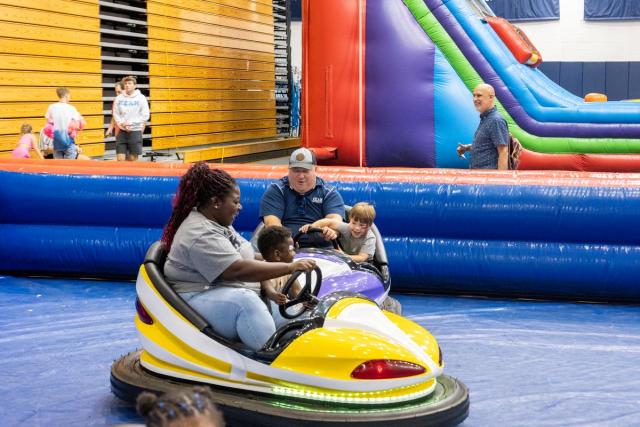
[
  {"x": 306, "y": 294},
  {"x": 296, "y": 238}
]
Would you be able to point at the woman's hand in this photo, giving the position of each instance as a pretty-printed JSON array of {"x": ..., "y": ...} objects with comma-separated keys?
[{"x": 302, "y": 265}]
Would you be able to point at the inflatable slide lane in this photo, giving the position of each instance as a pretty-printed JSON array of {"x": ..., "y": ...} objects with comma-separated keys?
[{"x": 388, "y": 84}]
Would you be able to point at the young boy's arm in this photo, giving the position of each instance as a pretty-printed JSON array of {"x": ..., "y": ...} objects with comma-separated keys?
[
  {"x": 367, "y": 250},
  {"x": 269, "y": 290},
  {"x": 361, "y": 257}
]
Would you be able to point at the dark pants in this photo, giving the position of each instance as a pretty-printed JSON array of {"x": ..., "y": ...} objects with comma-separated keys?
[{"x": 129, "y": 142}]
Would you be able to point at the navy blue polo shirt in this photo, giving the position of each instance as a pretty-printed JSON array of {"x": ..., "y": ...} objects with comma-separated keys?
[
  {"x": 296, "y": 210},
  {"x": 491, "y": 133}
]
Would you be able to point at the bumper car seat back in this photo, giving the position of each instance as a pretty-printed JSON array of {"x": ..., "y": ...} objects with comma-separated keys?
[{"x": 154, "y": 265}]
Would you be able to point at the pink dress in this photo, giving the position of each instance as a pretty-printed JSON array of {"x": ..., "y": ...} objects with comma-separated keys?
[{"x": 24, "y": 145}]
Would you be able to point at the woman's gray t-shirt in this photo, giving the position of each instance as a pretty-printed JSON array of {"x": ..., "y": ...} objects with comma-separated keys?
[{"x": 201, "y": 251}]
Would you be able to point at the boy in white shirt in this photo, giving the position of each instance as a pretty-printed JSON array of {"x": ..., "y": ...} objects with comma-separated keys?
[
  {"x": 61, "y": 114},
  {"x": 131, "y": 112}
]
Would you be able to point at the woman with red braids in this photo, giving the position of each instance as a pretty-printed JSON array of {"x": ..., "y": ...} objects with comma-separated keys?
[{"x": 211, "y": 266}]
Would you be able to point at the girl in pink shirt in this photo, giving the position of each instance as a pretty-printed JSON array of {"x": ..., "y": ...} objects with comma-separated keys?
[{"x": 27, "y": 142}]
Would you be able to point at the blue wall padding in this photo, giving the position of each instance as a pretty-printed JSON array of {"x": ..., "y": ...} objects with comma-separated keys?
[
  {"x": 593, "y": 78},
  {"x": 537, "y": 241},
  {"x": 551, "y": 70},
  {"x": 634, "y": 80},
  {"x": 571, "y": 76},
  {"x": 617, "y": 79}
]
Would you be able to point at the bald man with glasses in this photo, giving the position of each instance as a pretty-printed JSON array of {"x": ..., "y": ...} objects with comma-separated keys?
[{"x": 490, "y": 147}]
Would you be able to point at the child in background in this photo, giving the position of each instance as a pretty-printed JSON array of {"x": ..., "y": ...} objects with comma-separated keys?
[
  {"x": 113, "y": 128},
  {"x": 27, "y": 142},
  {"x": 356, "y": 237},
  {"x": 131, "y": 112},
  {"x": 193, "y": 408},
  {"x": 62, "y": 115}
]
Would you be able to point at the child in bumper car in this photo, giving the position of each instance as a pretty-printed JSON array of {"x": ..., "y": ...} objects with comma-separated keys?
[{"x": 356, "y": 238}]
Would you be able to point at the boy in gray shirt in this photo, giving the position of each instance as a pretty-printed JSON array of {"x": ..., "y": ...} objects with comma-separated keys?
[{"x": 356, "y": 237}]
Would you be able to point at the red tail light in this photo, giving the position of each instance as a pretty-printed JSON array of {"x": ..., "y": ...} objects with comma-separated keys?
[
  {"x": 142, "y": 313},
  {"x": 384, "y": 369}
]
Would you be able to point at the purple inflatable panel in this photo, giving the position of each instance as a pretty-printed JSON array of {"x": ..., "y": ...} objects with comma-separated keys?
[{"x": 399, "y": 88}]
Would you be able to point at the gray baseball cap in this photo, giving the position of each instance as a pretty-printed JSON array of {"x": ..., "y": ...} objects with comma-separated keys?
[{"x": 302, "y": 158}]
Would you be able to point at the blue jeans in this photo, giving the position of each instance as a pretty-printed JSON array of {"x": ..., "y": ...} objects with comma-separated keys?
[
  {"x": 71, "y": 152},
  {"x": 277, "y": 317},
  {"x": 234, "y": 313}
]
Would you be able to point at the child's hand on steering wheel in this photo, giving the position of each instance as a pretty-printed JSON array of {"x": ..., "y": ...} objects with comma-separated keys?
[
  {"x": 329, "y": 233},
  {"x": 279, "y": 298},
  {"x": 305, "y": 228}
]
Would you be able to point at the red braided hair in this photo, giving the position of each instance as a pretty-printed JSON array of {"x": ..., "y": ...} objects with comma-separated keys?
[{"x": 197, "y": 187}]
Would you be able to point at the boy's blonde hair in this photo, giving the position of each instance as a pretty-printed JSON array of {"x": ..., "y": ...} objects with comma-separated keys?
[
  {"x": 62, "y": 92},
  {"x": 363, "y": 212},
  {"x": 129, "y": 79},
  {"x": 26, "y": 128}
]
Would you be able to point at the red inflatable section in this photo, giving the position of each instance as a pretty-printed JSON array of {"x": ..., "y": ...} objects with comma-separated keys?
[
  {"x": 579, "y": 162},
  {"x": 516, "y": 40},
  {"x": 332, "y": 78}
]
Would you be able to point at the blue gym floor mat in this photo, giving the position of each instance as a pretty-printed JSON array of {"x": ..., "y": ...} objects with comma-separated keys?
[{"x": 527, "y": 363}]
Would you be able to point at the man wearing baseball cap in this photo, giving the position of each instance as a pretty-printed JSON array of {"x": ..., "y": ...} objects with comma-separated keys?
[{"x": 301, "y": 198}]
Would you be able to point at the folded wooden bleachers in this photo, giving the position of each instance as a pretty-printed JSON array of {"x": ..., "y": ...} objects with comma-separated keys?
[
  {"x": 211, "y": 69},
  {"x": 45, "y": 44}
]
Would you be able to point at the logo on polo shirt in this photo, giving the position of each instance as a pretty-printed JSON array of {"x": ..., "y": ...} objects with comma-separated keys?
[{"x": 316, "y": 199}]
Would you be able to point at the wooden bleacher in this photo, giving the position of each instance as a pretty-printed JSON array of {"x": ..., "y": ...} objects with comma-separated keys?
[
  {"x": 225, "y": 151},
  {"x": 44, "y": 45},
  {"x": 213, "y": 86},
  {"x": 211, "y": 70}
]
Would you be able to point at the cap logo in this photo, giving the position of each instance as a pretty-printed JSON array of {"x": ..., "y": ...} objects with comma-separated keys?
[{"x": 300, "y": 157}]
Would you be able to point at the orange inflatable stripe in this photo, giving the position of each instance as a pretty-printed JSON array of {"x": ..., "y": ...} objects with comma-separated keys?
[{"x": 352, "y": 174}]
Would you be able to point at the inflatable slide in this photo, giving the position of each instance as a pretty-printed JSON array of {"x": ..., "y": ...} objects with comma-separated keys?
[{"x": 391, "y": 86}]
